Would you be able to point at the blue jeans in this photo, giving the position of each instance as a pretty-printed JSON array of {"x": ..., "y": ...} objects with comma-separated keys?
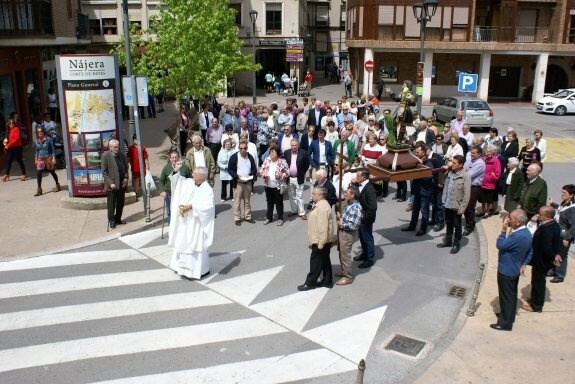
[
  {"x": 438, "y": 210},
  {"x": 365, "y": 234},
  {"x": 420, "y": 203},
  {"x": 167, "y": 201}
]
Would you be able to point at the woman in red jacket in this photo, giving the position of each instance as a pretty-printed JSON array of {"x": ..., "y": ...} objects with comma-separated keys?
[
  {"x": 14, "y": 149},
  {"x": 489, "y": 184}
]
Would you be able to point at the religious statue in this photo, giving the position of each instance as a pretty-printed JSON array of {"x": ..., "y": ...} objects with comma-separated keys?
[{"x": 403, "y": 114}]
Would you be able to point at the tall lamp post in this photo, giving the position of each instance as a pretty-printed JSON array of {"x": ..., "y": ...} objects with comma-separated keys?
[
  {"x": 254, "y": 17},
  {"x": 423, "y": 12}
]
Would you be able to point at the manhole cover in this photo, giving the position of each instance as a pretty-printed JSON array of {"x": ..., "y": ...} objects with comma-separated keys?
[
  {"x": 405, "y": 345},
  {"x": 456, "y": 291}
]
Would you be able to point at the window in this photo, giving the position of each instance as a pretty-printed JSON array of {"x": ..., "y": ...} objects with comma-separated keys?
[
  {"x": 273, "y": 18},
  {"x": 69, "y": 8},
  {"x": 321, "y": 42},
  {"x": 109, "y": 26},
  {"x": 238, "y": 9},
  {"x": 322, "y": 15},
  {"x": 96, "y": 27}
]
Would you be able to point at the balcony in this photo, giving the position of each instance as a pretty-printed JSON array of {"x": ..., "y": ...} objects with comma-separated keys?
[
  {"x": 29, "y": 18},
  {"x": 83, "y": 26},
  {"x": 512, "y": 35}
]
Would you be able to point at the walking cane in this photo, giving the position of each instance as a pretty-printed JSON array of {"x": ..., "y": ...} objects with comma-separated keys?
[{"x": 163, "y": 215}]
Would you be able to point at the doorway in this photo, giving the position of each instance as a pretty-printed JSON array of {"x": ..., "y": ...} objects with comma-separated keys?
[
  {"x": 556, "y": 79},
  {"x": 504, "y": 82}
]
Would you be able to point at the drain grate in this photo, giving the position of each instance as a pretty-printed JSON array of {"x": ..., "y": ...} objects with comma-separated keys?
[
  {"x": 456, "y": 291},
  {"x": 405, "y": 345}
]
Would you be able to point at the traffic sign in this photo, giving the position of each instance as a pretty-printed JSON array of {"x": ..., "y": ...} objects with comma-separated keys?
[
  {"x": 369, "y": 65},
  {"x": 467, "y": 83}
]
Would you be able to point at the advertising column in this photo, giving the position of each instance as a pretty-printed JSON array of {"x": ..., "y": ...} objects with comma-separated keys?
[{"x": 90, "y": 111}]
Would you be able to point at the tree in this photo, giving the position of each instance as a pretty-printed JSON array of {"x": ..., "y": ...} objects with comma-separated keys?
[{"x": 194, "y": 50}]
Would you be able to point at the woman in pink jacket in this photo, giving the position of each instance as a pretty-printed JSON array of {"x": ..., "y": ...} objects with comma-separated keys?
[{"x": 489, "y": 185}]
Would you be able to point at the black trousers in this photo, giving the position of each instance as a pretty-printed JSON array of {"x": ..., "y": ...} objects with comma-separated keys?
[
  {"x": 183, "y": 143},
  {"x": 319, "y": 262},
  {"x": 470, "y": 211},
  {"x": 215, "y": 149},
  {"x": 538, "y": 285},
  {"x": 224, "y": 192},
  {"x": 452, "y": 225},
  {"x": 401, "y": 192},
  {"x": 274, "y": 198},
  {"x": 507, "y": 299},
  {"x": 15, "y": 154},
  {"x": 115, "y": 204}
]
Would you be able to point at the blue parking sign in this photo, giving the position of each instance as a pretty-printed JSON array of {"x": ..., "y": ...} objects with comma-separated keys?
[{"x": 467, "y": 82}]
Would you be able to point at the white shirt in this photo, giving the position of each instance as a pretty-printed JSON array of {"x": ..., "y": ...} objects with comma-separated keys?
[
  {"x": 322, "y": 158},
  {"x": 286, "y": 143},
  {"x": 542, "y": 145},
  {"x": 244, "y": 165},
  {"x": 199, "y": 158},
  {"x": 508, "y": 181},
  {"x": 272, "y": 182}
]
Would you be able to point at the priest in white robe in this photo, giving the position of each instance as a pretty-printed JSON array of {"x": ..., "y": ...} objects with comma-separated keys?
[{"x": 192, "y": 226}]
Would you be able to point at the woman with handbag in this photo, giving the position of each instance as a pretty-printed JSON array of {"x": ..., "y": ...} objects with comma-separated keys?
[
  {"x": 14, "y": 147},
  {"x": 44, "y": 160},
  {"x": 275, "y": 172}
]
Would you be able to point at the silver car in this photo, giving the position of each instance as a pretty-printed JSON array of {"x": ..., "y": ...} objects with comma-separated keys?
[{"x": 476, "y": 111}]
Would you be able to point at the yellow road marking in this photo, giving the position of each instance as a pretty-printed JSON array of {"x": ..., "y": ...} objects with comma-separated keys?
[{"x": 560, "y": 150}]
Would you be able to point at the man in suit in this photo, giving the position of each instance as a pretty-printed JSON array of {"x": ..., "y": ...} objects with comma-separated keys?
[
  {"x": 115, "y": 171},
  {"x": 534, "y": 194},
  {"x": 546, "y": 247},
  {"x": 320, "y": 154},
  {"x": 306, "y": 139},
  {"x": 315, "y": 115},
  {"x": 368, "y": 201},
  {"x": 298, "y": 162},
  {"x": 242, "y": 168},
  {"x": 514, "y": 255},
  {"x": 323, "y": 182},
  {"x": 422, "y": 190}
]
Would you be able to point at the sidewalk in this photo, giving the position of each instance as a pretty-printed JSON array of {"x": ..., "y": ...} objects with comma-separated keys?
[
  {"x": 538, "y": 349},
  {"x": 474, "y": 353}
]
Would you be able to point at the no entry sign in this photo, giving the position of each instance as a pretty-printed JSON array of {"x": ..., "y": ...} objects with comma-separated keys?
[{"x": 369, "y": 65}]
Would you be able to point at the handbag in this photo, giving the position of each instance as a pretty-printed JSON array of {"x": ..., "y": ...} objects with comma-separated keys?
[
  {"x": 283, "y": 189},
  {"x": 149, "y": 180},
  {"x": 50, "y": 163}
]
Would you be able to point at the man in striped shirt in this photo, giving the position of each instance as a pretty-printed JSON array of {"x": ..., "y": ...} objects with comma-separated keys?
[{"x": 347, "y": 224}]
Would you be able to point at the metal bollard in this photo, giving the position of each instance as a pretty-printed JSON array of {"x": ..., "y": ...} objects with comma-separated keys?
[
  {"x": 148, "y": 197},
  {"x": 471, "y": 309},
  {"x": 360, "y": 370}
]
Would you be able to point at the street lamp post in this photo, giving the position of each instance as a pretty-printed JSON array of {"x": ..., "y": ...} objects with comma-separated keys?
[
  {"x": 253, "y": 17},
  {"x": 423, "y": 12}
]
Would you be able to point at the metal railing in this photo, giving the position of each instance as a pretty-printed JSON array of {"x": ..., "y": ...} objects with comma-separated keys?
[{"x": 512, "y": 34}]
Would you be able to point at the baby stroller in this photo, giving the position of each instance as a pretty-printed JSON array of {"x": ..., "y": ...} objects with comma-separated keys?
[
  {"x": 303, "y": 90},
  {"x": 288, "y": 88}
]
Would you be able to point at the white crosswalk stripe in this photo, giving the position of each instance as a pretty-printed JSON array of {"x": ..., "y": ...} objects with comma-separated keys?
[
  {"x": 108, "y": 309},
  {"x": 98, "y": 320}
]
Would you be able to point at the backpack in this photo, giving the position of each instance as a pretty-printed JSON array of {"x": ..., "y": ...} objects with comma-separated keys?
[{"x": 24, "y": 135}]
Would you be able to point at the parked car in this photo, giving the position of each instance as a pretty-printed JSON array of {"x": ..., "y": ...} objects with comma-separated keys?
[
  {"x": 559, "y": 103},
  {"x": 476, "y": 111}
]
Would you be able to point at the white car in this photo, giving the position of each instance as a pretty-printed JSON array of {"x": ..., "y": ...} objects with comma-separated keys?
[{"x": 559, "y": 103}]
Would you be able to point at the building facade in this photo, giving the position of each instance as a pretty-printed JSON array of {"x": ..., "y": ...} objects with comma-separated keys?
[
  {"x": 32, "y": 32},
  {"x": 519, "y": 49}
]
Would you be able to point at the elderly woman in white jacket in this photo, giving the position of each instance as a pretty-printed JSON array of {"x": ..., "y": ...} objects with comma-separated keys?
[{"x": 453, "y": 149}]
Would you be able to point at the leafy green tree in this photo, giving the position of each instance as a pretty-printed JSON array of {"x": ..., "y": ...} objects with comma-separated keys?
[{"x": 192, "y": 49}]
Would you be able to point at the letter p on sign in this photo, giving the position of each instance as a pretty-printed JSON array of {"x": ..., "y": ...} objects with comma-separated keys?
[{"x": 467, "y": 83}]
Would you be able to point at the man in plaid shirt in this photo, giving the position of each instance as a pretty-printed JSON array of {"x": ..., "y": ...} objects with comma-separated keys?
[{"x": 347, "y": 224}]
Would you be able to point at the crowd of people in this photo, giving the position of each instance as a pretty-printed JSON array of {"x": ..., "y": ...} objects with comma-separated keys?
[{"x": 303, "y": 142}]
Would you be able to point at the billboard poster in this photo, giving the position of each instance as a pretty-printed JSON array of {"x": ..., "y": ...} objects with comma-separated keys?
[{"x": 90, "y": 97}]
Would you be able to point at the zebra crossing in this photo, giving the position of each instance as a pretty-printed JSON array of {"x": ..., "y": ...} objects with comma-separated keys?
[{"x": 118, "y": 315}]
